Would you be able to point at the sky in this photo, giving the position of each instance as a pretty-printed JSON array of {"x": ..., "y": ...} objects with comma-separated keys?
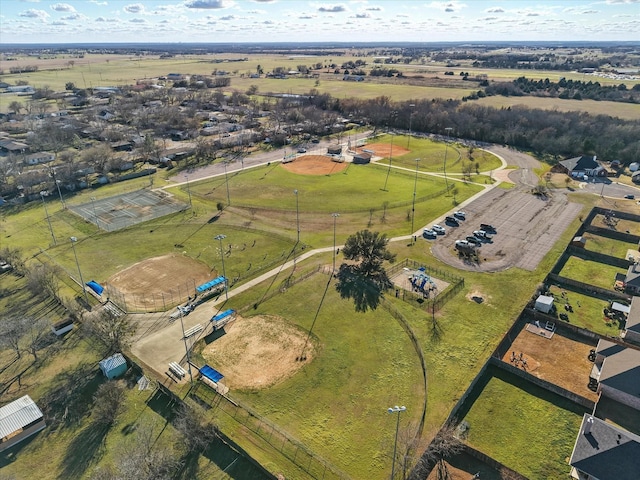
[{"x": 250, "y": 21}]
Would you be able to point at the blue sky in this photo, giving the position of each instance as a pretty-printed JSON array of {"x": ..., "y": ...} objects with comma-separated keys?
[{"x": 40, "y": 21}]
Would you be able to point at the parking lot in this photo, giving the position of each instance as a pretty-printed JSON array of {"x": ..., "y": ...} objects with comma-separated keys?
[{"x": 527, "y": 226}]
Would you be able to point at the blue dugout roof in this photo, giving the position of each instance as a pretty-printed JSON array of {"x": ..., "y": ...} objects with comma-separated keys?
[
  {"x": 209, "y": 285},
  {"x": 211, "y": 373},
  {"x": 223, "y": 315},
  {"x": 95, "y": 286}
]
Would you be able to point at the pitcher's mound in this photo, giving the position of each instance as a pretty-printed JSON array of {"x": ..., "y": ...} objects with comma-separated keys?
[
  {"x": 259, "y": 351},
  {"x": 314, "y": 165}
]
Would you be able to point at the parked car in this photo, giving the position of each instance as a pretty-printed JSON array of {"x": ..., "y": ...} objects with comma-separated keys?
[
  {"x": 438, "y": 229},
  {"x": 451, "y": 221},
  {"x": 474, "y": 240},
  {"x": 481, "y": 234},
  {"x": 460, "y": 215},
  {"x": 462, "y": 243},
  {"x": 487, "y": 227},
  {"x": 428, "y": 233},
  {"x": 302, "y": 150},
  {"x": 630, "y": 197},
  {"x": 315, "y": 140}
]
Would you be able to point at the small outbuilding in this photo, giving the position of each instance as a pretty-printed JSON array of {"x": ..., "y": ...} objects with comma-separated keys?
[
  {"x": 334, "y": 149},
  {"x": 362, "y": 158},
  {"x": 114, "y": 366},
  {"x": 579, "y": 241},
  {"x": 63, "y": 326},
  {"x": 544, "y": 304},
  {"x": 19, "y": 420}
]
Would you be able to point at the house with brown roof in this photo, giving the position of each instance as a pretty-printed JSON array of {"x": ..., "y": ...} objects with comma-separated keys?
[{"x": 604, "y": 452}]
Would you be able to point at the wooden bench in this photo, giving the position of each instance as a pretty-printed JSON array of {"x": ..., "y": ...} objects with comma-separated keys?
[
  {"x": 193, "y": 330},
  {"x": 177, "y": 370}
]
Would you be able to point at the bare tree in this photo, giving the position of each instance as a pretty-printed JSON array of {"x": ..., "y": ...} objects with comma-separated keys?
[
  {"x": 445, "y": 445},
  {"x": 37, "y": 334},
  {"x": 197, "y": 433},
  {"x": 108, "y": 402},
  {"x": 11, "y": 332},
  {"x": 43, "y": 279},
  {"x": 113, "y": 331}
]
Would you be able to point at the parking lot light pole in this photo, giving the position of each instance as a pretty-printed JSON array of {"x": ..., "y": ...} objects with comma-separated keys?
[
  {"x": 444, "y": 167},
  {"x": 411, "y": 105},
  {"x": 221, "y": 237},
  {"x": 84, "y": 289},
  {"x": 335, "y": 217},
  {"x": 186, "y": 349},
  {"x": 397, "y": 410},
  {"x": 95, "y": 215},
  {"x": 413, "y": 207}
]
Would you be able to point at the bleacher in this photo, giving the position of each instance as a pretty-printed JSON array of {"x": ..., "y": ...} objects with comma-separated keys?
[
  {"x": 222, "y": 318},
  {"x": 177, "y": 370},
  {"x": 193, "y": 330},
  {"x": 216, "y": 282}
]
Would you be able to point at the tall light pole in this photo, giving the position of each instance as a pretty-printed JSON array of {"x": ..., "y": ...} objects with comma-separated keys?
[
  {"x": 413, "y": 207},
  {"x": 57, "y": 182},
  {"x": 411, "y": 105},
  {"x": 46, "y": 212},
  {"x": 221, "y": 237},
  {"x": 335, "y": 217},
  {"x": 226, "y": 178},
  {"x": 389, "y": 169},
  {"x": 189, "y": 192},
  {"x": 186, "y": 349},
  {"x": 297, "y": 215},
  {"x": 84, "y": 289},
  {"x": 95, "y": 215},
  {"x": 444, "y": 167},
  {"x": 397, "y": 410}
]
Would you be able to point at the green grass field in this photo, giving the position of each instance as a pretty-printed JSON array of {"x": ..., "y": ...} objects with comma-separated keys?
[
  {"x": 587, "y": 312},
  {"x": 608, "y": 246}
]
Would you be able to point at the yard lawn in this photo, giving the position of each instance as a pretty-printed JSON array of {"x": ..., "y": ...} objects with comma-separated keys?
[
  {"x": 587, "y": 312},
  {"x": 608, "y": 246},
  {"x": 621, "y": 225},
  {"x": 523, "y": 426},
  {"x": 588, "y": 271}
]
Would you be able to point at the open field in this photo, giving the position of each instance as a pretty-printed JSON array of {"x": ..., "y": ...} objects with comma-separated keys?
[
  {"x": 626, "y": 111},
  {"x": 523, "y": 426}
]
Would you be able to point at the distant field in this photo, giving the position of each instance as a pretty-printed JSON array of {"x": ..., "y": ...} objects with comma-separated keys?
[{"x": 627, "y": 111}]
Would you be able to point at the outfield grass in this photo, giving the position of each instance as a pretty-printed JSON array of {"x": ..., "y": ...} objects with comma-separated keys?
[
  {"x": 523, "y": 426},
  {"x": 431, "y": 156},
  {"x": 588, "y": 271}
]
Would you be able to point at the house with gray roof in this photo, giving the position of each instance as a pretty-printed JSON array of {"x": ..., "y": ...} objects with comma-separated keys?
[
  {"x": 580, "y": 166},
  {"x": 631, "y": 331},
  {"x": 604, "y": 452},
  {"x": 632, "y": 280},
  {"x": 19, "y": 420},
  {"x": 617, "y": 370}
]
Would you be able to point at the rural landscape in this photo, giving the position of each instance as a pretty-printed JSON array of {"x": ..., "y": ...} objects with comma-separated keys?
[{"x": 314, "y": 261}]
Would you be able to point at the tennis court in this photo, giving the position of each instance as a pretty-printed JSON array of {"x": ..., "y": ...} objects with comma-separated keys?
[{"x": 121, "y": 211}]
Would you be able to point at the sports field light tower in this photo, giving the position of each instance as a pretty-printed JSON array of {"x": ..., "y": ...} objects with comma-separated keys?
[
  {"x": 397, "y": 410},
  {"x": 84, "y": 288},
  {"x": 411, "y": 106},
  {"x": 335, "y": 217},
  {"x": 221, "y": 237},
  {"x": 413, "y": 206}
]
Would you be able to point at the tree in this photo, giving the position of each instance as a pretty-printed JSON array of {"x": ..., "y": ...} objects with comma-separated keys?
[
  {"x": 444, "y": 446},
  {"x": 43, "y": 279},
  {"x": 37, "y": 335},
  {"x": 108, "y": 402},
  {"x": 70, "y": 86},
  {"x": 15, "y": 107},
  {"x": 12, "y": 329},
  {"x": 198, "y": 434},
  {"x": 112, "y": 330},
  {"x": 366, "y": 280}
]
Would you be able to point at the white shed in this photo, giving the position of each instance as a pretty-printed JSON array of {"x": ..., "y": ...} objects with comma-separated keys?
[
  {"x": 634, "y": 166},
  {"x": 544, "y": 304}
]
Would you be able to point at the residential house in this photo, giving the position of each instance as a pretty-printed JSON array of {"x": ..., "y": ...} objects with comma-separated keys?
[
  {"x": 19, "y": 420},
  {"x": 604, "y": 452},
  {"x": 580, "y": 166},
  {"x": 40, "y": 157},
  {"x": 617, "y": 370},
  {"x": 24, "y": 89},
  {"x": 632, "y": 280},
  {"x": 8, "y": 145},
  {"x": 631, "y": 331}
]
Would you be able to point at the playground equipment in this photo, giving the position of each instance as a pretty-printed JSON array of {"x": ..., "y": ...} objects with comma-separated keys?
[{"x": 421, "y": 282}]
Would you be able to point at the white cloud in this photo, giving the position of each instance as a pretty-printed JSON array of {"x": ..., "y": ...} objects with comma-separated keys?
[
  {"x": 108, "y": 20},
  {"x": 33, "y": 13},
  {"x": 62, "y": 7},
  {"x": 59, "y": 23},
  {"x": 374, "y": 9},
  {"x": 332, "y": 8},
  {"x": 454, "y": 6},
  {"x": 363, "y": 15},
  {"x": 98, "y": 3},
  {"x": 588, "y": 12},
  {"x": 73, "y": 16},
  {"x": 227, "y": 18},
  {"x": 134, "y": 8},
  {"x": 263, "y": 1},
  {"x": 307, "y": 16},
  {"x": 138, "y": 20},
  {"x": 618, "y": 2},
  {"x": 495, "y": 10},
  {"x": 209, "y": 4}
]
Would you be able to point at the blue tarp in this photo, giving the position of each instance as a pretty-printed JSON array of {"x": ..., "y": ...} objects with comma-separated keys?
[
  {"x": 223, "y": 315},
  {"x": 209, "y": 285},
  {"x": 96, "y": 287},
  {"x": 211, "y": 373}
]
